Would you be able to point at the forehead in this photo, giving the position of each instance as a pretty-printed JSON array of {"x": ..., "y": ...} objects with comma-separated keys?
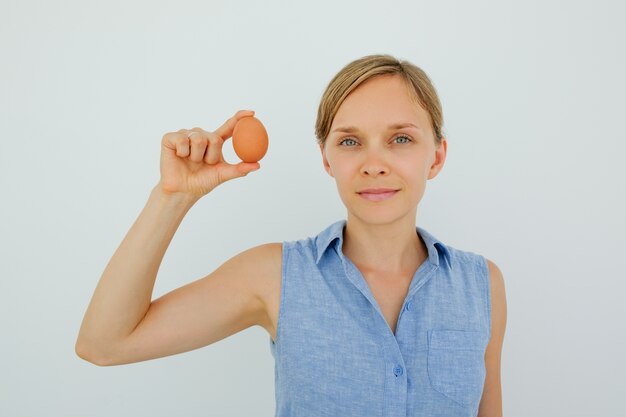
[{"x": 381, "y": 99}]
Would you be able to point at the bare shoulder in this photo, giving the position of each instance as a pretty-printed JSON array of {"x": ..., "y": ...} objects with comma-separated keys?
[{"x": 265, "y": 263}]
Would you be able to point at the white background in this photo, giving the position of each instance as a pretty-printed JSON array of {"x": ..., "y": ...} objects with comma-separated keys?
[{"x": 534, "y": 101}]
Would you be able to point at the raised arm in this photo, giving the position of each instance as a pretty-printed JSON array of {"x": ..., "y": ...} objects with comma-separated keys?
[{"x": 122, "y": 324}]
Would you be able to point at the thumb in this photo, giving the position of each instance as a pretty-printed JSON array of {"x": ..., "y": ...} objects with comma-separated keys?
[{"x": 240, "y": 170}]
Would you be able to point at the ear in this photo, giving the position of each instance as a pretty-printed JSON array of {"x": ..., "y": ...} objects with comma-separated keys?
[
  {"x": 440, "y": 157},
  {"x": 325, "y": 162}
]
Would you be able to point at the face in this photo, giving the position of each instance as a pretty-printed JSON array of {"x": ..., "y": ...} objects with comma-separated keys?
[{"x": 367, "y": 148}]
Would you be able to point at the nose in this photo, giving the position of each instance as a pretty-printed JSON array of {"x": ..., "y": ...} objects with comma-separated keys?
[{"x": 374, "y": 165}]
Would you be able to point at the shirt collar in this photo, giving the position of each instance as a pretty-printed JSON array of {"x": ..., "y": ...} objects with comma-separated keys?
[{"x": 436, "y": 249}]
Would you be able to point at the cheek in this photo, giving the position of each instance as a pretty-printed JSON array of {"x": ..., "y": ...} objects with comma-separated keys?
[
  {"x": 414, "y": 179},
  {"x": 342, "y": 171}
]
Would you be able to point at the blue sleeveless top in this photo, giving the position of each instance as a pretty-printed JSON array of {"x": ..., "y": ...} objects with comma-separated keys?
[{"x": 335, "y": 354}]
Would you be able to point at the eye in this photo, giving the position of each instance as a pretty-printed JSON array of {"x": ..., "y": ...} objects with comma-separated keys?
[
  {"x": 347, "y": 139},
  {"x": 408, "y": 139}
]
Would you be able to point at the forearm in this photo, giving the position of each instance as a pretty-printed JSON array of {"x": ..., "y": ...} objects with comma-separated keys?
[{"x": 124, "y": 292}]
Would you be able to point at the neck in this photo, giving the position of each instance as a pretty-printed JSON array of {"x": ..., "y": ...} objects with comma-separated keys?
[{"x": 393, "y": 248}]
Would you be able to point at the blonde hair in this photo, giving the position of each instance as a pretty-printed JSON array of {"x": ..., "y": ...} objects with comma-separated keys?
[{"x": 358, "y": 71}]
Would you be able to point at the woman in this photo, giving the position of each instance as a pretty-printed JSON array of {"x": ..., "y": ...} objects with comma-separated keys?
[{"x": 373, "y": 316}]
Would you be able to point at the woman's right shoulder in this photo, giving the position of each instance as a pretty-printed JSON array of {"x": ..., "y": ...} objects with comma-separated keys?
[
  {"x": 258, "y": 268},
  {"x": 264, "y": 263},
  {"x": 263, "y": 266},
  {"x": 265, "y": 259}
]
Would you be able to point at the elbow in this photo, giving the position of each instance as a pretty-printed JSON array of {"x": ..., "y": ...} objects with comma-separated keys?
[{"x": 87, "y": 354}]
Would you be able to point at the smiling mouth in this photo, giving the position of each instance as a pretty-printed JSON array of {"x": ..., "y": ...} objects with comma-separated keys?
[{"x": 378, "y": 196}]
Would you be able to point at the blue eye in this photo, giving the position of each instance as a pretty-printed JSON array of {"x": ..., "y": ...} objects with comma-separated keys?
[
  {"x": 408, "y": 140},
  {"x": 346, "y": 140},
  {"x": 405, "y": 137}
]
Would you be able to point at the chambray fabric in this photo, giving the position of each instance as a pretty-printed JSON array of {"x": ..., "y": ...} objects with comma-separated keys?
[{"x": 335, "y": 354}]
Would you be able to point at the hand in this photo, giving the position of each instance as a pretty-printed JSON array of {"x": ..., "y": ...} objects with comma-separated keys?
[{"x": 192, "y": 160}]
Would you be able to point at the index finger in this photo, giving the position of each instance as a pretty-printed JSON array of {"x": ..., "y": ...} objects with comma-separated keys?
[{"x": 226, "y": 130}]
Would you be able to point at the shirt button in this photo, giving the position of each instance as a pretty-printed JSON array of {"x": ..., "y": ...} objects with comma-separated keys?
[
  {"x": 398, "y": 370},
  {"x": 408, "y": 306}
]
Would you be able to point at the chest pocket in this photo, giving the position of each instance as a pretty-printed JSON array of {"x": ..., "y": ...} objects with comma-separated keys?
[{"x": 456, "y": 365}]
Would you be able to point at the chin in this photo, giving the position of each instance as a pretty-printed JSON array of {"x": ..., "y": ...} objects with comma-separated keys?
[{"x": 376, "y": 216}]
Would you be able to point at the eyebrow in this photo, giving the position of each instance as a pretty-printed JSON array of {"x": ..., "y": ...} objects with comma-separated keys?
[{"x": 352, "y": 129}]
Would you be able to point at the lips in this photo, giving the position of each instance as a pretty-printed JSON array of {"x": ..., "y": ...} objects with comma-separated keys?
[
  {"x": 377, "y": 190},
  {"x": 378, "y": 194}
]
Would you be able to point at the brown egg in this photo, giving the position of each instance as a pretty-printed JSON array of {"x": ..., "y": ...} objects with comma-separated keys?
[{"x": 250, "y": 139}]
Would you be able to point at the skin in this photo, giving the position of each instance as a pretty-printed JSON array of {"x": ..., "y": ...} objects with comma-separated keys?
[
  {"x": 380, "y": 237},
  {"x": 124, "y": 325},
  {"x": 382, "y": 234}
]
